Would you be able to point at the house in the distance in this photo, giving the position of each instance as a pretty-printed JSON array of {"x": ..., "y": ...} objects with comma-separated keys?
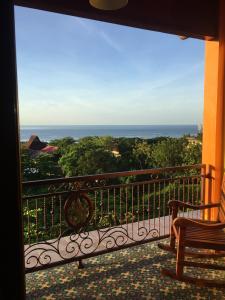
[
  {"x": 35, "y": 145},
  {"x": 193, "y": 140}
]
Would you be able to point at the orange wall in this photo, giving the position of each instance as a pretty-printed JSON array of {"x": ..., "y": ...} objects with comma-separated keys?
[{"x": 214, "y": 111}]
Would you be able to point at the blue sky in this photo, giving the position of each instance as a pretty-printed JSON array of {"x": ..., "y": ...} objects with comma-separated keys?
[{"x": 78, "y": 71}]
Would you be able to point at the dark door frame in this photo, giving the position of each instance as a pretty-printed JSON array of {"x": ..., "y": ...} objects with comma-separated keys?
[{"x": 12, "y": 284}]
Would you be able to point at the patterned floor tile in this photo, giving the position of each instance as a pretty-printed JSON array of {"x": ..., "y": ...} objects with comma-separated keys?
[{"x": 132, "y": 273}]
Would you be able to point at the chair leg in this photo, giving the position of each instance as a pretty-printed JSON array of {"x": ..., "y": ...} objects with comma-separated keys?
[
  {"x": 171, "y": 246},
  {"x": 172, "y": 240},
  {"x": 180, "y": 263},
  {"x": 180, "y": 254}
]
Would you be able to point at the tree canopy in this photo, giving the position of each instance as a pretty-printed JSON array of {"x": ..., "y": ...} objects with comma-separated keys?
[{"x": 94, "y": 155}]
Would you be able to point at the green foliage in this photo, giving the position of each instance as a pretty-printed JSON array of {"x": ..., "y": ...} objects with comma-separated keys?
[
  {"x": 126, "y": 159},
  {"x": 93, "y": 155},
  {"x": 169, "y": 153},
  {"x": 89, "y": 156},
  {"x": 106, "y": 220},
  {"x": 30, "y": 230},
  {"x": 192, "y": 154},
  {"x": 200, "y": 134},
  {"x": 62, "y": 144},
  {"x": 142, "y": 153},
  {"x": 41, "y": 166}
]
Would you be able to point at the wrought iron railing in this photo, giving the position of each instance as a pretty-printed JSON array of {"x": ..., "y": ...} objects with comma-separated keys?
[{"x": 70, "y": 219}]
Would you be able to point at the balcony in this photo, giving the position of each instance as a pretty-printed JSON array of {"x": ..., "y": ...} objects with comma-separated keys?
[
  {"x": 93, "y": 219},
  {"x": 133, "y": 273}
]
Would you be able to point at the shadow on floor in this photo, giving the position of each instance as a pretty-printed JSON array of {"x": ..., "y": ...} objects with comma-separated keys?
[{"x": 132, "y": 273}]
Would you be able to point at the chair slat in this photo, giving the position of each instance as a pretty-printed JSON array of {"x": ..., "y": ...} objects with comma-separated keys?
[
  {"x": 189, "y": 234},
  {"x": 222, "y": 203}
]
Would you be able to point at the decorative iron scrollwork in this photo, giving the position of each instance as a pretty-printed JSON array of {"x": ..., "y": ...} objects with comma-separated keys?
[
  {"x": 78, "y": 210},
  {"x": 125, "y": 213}
]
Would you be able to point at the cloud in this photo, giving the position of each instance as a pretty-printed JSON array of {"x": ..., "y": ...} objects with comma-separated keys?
[
  {"x": 85, "y": 24},
  {"x": 110, "y": 42},
  {"x": 91, "y": 28}
]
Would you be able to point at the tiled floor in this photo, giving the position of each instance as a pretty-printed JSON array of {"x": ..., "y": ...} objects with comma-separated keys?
[{"x": 133, "y": 273}]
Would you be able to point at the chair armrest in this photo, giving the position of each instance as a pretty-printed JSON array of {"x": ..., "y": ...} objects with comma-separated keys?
[
  {"x": 177, "y": 204},
  {"x": 184, "y": 222}
]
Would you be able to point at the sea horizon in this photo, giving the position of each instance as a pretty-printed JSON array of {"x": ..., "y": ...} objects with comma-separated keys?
[{"x": 50, "y": 132}]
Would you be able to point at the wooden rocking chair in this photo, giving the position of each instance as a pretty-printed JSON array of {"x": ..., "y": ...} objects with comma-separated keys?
[{"x": 196, "y": 234}]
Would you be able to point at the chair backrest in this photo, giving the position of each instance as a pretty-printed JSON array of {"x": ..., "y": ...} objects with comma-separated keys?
[{"x": 222, "y": 203}]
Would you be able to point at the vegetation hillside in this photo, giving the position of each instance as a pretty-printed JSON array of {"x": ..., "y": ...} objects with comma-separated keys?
[{"x": 95, "y": 155}]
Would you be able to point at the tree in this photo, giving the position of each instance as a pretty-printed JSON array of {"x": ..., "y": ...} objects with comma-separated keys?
[
  {"x": 96, "y": 161},
  {"x": 193, "y": 154},
  {"x": 62, "y": 144},
  {"x": 169, "y": 153},
  {"x": 87, "y": 156},
  {"x": 142, "y": 153},
  {"x": 200, "y": 133},
  {"x": 126, "y": 159},
  {"x": 40, "y": 166}
]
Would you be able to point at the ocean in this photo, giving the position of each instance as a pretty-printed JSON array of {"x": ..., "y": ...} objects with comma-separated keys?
[{"x": 48, "y": 133}]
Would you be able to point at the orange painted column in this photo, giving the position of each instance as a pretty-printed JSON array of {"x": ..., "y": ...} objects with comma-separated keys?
[{"x": 214, "y": 113}]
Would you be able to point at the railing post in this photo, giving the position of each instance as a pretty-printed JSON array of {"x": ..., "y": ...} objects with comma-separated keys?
[
  {"x": 203, "y": 183},
  {"x": 207, "y": 191}
]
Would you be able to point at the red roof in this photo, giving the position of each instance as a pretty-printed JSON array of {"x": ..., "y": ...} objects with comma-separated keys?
[
  {"x": 49, "y": 149},
  {"x": 34, "y": 143}
]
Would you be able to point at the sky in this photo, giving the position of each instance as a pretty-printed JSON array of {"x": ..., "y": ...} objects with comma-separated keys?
[{"x": 74, "y": 71}]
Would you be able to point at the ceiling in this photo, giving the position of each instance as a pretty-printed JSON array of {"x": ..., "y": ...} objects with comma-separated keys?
[{"x": 191, "y": 18}]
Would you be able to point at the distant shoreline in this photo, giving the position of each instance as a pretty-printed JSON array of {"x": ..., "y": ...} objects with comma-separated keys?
[
  {"x": 106, "y": 125},
  {"x": 50, "y": 132}
]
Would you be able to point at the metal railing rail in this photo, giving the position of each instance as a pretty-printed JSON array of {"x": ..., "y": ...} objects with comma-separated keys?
[{"x": 70, "y": 219}]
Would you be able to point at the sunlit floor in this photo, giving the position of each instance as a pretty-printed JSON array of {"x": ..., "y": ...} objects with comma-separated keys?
[{"x": 133, "y": 273}]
